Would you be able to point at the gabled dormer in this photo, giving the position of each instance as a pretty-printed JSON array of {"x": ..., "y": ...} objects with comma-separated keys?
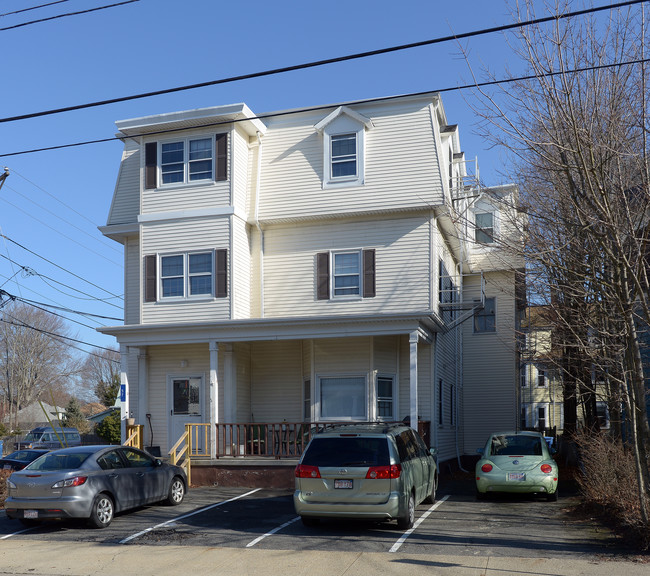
[{"x": 343, "y": 133}]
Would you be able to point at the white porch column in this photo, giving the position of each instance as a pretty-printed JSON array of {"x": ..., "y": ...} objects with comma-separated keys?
[
  {"x": 143, "y": 386},
  {"x": 413, "y": 379},
  {"x": 124, "y": 389},
  {"x": 214, "y": 397},
  {"x": 229, "y": 385}
]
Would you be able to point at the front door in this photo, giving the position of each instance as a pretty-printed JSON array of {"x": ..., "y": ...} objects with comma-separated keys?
[{"x": 186, "y": 405}]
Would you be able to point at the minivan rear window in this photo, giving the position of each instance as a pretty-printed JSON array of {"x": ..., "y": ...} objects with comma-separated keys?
[{"x": 335, "y": 451}]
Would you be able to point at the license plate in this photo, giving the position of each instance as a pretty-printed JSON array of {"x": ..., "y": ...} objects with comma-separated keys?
[
  {"x": 343, "y": 484},
  {"x": 30, "y": 514},
  {"x": 516, "y": 476}
]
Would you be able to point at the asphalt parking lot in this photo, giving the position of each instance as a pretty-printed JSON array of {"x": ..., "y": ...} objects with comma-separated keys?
[{"x": 456, "y": 524}]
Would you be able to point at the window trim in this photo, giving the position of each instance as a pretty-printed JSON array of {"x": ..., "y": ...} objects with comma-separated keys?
[
  {"x": 325, "y": 277},
  {"x": 187, "y": 275}
]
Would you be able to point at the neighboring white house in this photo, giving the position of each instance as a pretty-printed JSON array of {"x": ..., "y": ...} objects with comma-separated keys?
[{"x": 323, "y": 264}]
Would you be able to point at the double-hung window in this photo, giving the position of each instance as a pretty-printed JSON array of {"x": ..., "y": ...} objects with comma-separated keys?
[
  {"x": 186, "y": 275},
  {"x": 485, "y": 318},
  {"x": 186, "y": 161},
  {"x": 343, "y": 155},
  {"x": 484, "y": 227},
  {"x": 347, "y": 273},
  {"x": 385, "y": 400}
]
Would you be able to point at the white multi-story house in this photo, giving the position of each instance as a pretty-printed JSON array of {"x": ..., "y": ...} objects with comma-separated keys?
[{"x": 326, "y": 264}]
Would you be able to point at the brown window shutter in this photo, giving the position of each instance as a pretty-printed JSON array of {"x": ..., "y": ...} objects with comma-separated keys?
[
  {"x": 323, "y": 276},
  {"x": 151, "y": 165},
  {"x": 221, "y": 157},
  {"x": 368, "y": 273},
  {"x": 150, "y": 278},
  {"x": 221, "y": 278}
]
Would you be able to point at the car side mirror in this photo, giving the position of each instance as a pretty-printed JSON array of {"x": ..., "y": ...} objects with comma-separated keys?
[
  {"x": 480, "y": 451},
  {"x": 433, "y": 451},
  {"x": 159, "y": 462}
]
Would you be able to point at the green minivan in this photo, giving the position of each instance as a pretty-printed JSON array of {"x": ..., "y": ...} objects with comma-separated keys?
[{"x": 373, "y": 471}]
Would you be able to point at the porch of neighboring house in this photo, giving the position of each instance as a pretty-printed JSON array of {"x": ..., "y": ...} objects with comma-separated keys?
[{"x": 261, "y": 455}]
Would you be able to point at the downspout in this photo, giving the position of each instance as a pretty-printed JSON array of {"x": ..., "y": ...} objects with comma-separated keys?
[
  {"x": 459, "y": 381},
  {"x": 258, "y": 186}
]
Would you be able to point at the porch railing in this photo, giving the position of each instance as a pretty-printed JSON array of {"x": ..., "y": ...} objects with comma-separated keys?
[
  {"x": 134, "y": 435},
  {"x": 266, "y": 439}
]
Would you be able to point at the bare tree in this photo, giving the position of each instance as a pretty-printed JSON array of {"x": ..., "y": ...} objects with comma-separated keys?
[
  {"x": 34, "y": 361},
  {"x": 101, "y": 373},
  {"x": 577, "y": 130}
]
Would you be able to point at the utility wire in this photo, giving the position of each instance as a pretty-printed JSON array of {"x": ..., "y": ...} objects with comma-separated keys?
[
  {"x": 33, "y": 8},
  {"x": 30, "y": 272},
  {"x": 59, "y": 267},
  {"x": 304, "y": 66},
  {"x": 22, "y": 324},
  {"x": 65, "y": 15},
  {"x": 471, "y": 86}
]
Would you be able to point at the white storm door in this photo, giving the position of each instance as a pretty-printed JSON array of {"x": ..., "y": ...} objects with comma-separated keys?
[{"x": 185, "y": 405}]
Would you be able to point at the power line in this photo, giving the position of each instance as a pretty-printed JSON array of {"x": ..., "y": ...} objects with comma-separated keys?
[
  {"x": 318, "y": 63},
  {"x": 355, "y": 102},
  {"x": 33, "y": 8},
  {"x": 64, "y": 15},
  {"x": 31, "y": 272},
  {"x": 59, "y": 267},
  {"x": 55, "y": 335}
]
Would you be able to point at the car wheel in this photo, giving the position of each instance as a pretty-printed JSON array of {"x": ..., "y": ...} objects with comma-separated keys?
[
  {"x": 552, "y": 497},
  {"x": 431, "y": 498},
  {"x": 102, "y": 511},
  {"x": 176, "y": 492},
  {"x": 406, "y": 521},
  {"x": 309, "y": 521}
]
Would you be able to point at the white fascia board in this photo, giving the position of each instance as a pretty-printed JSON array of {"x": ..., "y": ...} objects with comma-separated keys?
[
  {"x": 191, "y": 119},
  {"x": 185, "y": 214}
]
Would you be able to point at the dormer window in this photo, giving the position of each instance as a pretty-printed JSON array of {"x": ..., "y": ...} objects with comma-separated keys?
[{"x": 343, "y": 134}]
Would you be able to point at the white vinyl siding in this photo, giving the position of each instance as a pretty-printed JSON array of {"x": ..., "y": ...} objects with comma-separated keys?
[
  {"x": 125, "y": 206},
  {"x": 240, "y": 293},
  {"x": 242, "y": 165},
  {"x": 401, "y": 168},
  {"x": 491, "y": 375},
  {"x": 132, "y": 298},
  {"x": 401, "y": 266},
  {"x": 192, "y": 235}
]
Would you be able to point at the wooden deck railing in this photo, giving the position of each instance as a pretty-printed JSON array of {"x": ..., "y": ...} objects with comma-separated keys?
[
  {"x": 267, "y": 439},
  {"x": 134, "y": 436}
]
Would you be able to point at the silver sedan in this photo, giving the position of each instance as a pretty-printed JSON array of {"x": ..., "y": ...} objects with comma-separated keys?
[{"x": 92, "y": 482}]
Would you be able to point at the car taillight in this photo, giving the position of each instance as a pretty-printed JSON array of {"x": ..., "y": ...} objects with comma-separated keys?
[
  {"x": 547, "y": 468},
  {"x": 384, "y": 472},
  {"x": 305, "y": 471},
  {"x": 71, "y": 482},
  {"x": 486, "y": 468}
]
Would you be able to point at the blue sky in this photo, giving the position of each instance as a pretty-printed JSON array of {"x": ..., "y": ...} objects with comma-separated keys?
[{"x": 53, "y": 201}]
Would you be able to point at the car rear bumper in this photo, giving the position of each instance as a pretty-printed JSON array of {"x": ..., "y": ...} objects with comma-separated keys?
[
  {"x": 543, "y": 485},
  {"x": 44, "y": 509},
  {"x": 387, "y": 510}
]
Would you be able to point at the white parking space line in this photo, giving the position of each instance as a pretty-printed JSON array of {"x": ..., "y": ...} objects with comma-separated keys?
[
  {"x": 15, "y": 533},
  {"x": 419, "y": 521},
  {"x": 174, "y": 520},
  {"x": 260, "y": 538}
]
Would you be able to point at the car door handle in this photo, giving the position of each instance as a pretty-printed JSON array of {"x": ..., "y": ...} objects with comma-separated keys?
[
  {"x": 113, "y": 475},
  {"x": 140, "y": 474}
]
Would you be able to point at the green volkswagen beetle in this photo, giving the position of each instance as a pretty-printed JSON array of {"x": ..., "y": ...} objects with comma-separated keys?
[{"x": 516, "y": 462}]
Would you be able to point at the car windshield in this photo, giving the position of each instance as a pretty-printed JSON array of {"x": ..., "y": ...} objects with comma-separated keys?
[
  {"x": 347, "y": 452},
  {"x": 516, "y": 446},
  {"x": 58, "y": 461},
  {"x": 33, "y": 437}
]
